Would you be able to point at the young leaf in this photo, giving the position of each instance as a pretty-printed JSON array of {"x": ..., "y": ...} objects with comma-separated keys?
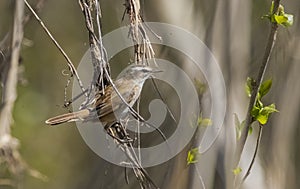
[
  {"x": 237, "y": 171},
  {"x": 255, "y": 111},
  {"x": 238, "y": 130},
  {"x": 200, "y": 86},
  {"x": 269, "y": 109},
  {"x": 204, "y": 122},
  {"x": 272, "y": 8},
  {"x": 265, "y": 87},
  {"x": 262, "y": 118},
  {"x": 289, "y": 20},
  {"x": 192, "y": 156},
  {"x": 285, "y": 20},
  {"x": 282, "y": 18},
  {"x": 238, "y": 126},
  {"x": 264, "y": 114},
  {"x": 250, "y": 130},
  {"x": 249, "y": 86}
]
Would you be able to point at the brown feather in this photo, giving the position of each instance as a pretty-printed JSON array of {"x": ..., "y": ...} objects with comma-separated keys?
[{"x": 68, "y": 117}]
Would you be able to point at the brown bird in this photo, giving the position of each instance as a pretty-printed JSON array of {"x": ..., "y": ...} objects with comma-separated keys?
[{"x": 109, "y": 107}]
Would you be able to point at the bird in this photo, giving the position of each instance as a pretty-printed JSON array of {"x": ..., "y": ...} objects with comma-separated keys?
[{"x": 109, "y": 107}]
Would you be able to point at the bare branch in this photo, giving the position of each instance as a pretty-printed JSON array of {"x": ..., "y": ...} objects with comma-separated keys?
[
  {"x": 259, "y": 80},
  {"x": 255, "y": 153}
]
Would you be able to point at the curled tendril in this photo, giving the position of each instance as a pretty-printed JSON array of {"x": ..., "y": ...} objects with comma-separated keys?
[{"x": 65, "y": 73}]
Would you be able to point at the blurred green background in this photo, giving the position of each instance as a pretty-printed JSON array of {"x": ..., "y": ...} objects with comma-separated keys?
[{"x": 236, "y": 35}]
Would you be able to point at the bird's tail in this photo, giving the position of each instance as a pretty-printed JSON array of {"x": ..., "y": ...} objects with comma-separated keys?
[{"x": 68, "y": 117}]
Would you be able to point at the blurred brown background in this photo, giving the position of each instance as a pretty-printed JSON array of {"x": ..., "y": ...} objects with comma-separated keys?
[{"x": 236, "y": 35}]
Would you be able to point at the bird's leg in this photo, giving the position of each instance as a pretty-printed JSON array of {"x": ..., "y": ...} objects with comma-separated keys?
[{"x": 117, "y": 132}]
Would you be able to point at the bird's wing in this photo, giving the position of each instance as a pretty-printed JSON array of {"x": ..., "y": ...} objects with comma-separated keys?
[{"x": 110, "y": 102}]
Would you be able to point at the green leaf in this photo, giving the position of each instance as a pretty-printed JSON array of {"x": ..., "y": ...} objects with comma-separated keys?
[
  {"x": 269, "y": 109},
  {"x": 265, "y": 87},
  {"x": 259, "y": 104},
  {"x": 272, "y": 8},
  {"x": 261, "y": 113},
  {"x": 200, "y": 86},
  {"x": 249, "y": 86},
  {"x": 289, "y": 20},
  {"x": 255, "y": 111},
  {"x": 264, "y": 114},
  {"x": 204, "y": 122},
  {"x": 280, "y": 19},
  {"x": 192, "y": 156},
  {"x": 262, "y": 119},
  {"x": 257, "y": 108},
  {"x": 238, "y": 126},
  {"x": 238, "y": 129},
  {"x": 237, "y": 171},
  {"x": 250, "y": 130}
]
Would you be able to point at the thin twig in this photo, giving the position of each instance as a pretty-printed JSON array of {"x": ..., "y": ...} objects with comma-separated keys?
[
  {"x": 200, "y": 177},
  {"x": 101, "y": 75},
  {"x": 259, "y": 80},
  {"x": 98, "y": 51},
  {"x": 129, "y": 151},
  {"x": 69, "y": 62},
  {"x": 255, "y": 153},
  {"x": 37, "y": 9}
]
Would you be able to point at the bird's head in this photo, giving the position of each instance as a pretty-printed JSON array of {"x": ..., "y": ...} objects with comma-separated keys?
[{"x": 140, "y": 72}]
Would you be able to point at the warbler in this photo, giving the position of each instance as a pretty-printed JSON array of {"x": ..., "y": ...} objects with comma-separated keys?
[{"x": 109, "y": 107}]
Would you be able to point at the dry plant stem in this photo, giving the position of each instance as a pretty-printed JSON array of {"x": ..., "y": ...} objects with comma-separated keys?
[
  {"x": 255, "y": 153},
  {"x": 98, "y": 52},
  {"x": 259, "y": 80},
  {"x": 37, "y": 8},
  {"x": 143, "y": 50},
  {"x": 137, "y": 167},
  {"x": 136, "y": 28},
  {"x": 200, "y": 177},
  {"x": 10, "y": 85},
  {"x": 142, "y": 47},
  {"x": 70, "y": 64},
  {"x": 141, "y": 174},
  {"x": 100, "y": 67},
  {"x": 9, "y": 144},
  {"x": 84, "y": 5}
]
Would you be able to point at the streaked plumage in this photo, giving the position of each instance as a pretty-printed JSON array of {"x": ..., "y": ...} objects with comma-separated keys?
[{"x": 107, "y": 106}]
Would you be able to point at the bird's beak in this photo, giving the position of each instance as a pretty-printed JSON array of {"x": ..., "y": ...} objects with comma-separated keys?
[{"x": 155, "y": 70}]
